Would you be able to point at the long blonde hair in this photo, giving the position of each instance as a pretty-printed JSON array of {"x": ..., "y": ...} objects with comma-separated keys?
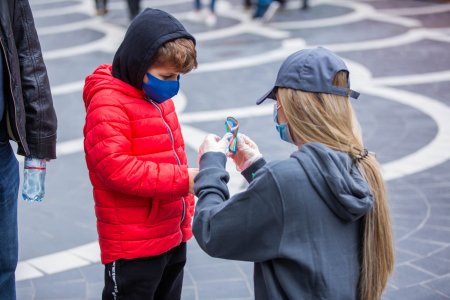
[{"x": 329, "y": 119}]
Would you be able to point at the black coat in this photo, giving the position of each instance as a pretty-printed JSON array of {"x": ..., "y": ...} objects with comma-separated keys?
[{"x": 30, "y": 116}]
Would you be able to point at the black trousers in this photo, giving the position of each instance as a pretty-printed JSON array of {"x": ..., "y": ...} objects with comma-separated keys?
[
  {"x": 101, "y": 4},
  {"x": 148, "y": 278}
]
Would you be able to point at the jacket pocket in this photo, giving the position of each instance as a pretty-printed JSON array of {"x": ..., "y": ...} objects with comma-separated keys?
[{"x": 154, "y": 208}]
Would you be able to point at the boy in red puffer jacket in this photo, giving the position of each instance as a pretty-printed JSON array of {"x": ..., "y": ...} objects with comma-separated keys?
[{"x": 136, "y": 160}]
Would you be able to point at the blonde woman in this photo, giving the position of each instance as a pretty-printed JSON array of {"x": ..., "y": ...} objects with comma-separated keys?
[{"x": 316, "y": 224}]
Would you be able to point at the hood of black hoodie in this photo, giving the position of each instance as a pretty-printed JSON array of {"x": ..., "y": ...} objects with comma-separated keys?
[
  {"x": 337, "y": 180},
  {"x": 146, "y": 34}
]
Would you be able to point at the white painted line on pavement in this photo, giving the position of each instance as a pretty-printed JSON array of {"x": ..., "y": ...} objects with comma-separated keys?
[
  {"x": 67, "y": 88},
  {"x": 222, "y": 114},
  {"x": 57, "y": 262},
  {"x": 109, "y": 43},
  {"x": 93, "y": 23},
  {"x": 413, "y": 79},
  {"x": 25, "y": 271},
  {"x": 416, "y": 11},
  {"x": 80, "y": 7},
  {"x": 89, "y": 252}
]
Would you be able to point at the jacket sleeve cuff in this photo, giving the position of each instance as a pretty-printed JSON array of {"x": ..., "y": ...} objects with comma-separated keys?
[
  {"x": 249, "y": 173},
  {"x": 181, "y": 183},
  {"x": 213, "y": 160},
  {"x": 45, "y": 149}
]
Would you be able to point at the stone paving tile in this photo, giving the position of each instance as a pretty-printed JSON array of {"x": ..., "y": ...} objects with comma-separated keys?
[
  {"x": 42, "y": 22},
  {"x": 72, "y": 126},
  {"x": 402, "y": 256},
  {"x": 59, "y": 278},
  {"x": 237, "y": 46},
  {"x": 189, "y": 293},
  {"x": 320, "y": 11},
  {"x": 433, "y": 234},
  {"x": 226, "y": 271},
  {"x": 224, "y": 289},
  {"x": 361, "y": 31},
  {"x": 444, "y": 253},
  {"x": 441, "y": 285},
  {"x": 405, "y": 276},
  {"x": 94, "y": 291},
  {"x": 434, "y": 20},
  {"x": 78, "y": 64},
  {"x": 436, "y": 90},
  {"x": 94, "y": 274},
  {"x": 419, "y": 247},
  {"x": 57, "y": 41},
  {"x": 61, "y": 291},
  {"x": 405, "y": 59},
  {"x": 437, "y": 266},
  {"x": 439, "y": 222},
  {"x": 414, "y": 293},
  {"x": 42, "y": 6}
]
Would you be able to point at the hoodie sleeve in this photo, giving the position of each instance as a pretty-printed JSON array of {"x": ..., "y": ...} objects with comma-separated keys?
[
  {"x": 109, "y": 154},
  {"x": 246, "y": 227}
]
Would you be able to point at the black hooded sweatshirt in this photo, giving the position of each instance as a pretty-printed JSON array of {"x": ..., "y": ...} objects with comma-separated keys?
[{"x": 147, "y": 33}]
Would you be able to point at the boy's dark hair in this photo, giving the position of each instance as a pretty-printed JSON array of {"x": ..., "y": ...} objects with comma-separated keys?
[{"x": 180, "y": 53}]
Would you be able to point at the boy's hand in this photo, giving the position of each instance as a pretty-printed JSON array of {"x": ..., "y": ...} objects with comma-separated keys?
[{"x": 192, "y": 173}]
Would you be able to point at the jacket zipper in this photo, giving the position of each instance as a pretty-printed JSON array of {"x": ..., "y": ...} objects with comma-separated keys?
[
  {"x": 13, "y": 99},
  {"x": 183, "y": 214}
]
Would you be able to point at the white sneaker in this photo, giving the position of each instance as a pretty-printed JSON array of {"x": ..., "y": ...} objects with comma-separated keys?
[
  {"x": 196, "y": 16},
  {"x": 270, "y": 12},
  {"x": 211, "y": 20}
]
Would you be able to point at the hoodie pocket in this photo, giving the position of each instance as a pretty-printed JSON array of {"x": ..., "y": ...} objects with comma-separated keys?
[{"x": 154, "y": 208}]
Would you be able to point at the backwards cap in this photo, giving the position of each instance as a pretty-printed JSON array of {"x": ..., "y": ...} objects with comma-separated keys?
[{"x": 311, "y": 70}]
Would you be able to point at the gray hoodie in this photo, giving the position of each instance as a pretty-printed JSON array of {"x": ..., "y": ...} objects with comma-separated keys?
[{"x": 299, "y": 220}]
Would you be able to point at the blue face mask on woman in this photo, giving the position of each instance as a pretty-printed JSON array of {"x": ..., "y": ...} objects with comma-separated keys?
[
  {"x": 283, "y": 129},
  {"x": 160, "y": 90}
]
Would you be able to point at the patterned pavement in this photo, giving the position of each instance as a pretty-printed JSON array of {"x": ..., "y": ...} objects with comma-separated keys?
[{"x": 398, "y": 53}]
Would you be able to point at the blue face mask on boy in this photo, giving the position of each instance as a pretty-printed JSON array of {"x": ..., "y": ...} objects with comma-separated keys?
[
  {"x": 283, "y": 129},
  {"x": 160, "y": 90}
]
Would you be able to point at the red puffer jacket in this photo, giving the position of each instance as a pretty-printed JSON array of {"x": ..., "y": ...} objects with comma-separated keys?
[{"x": 138, "y": 168}]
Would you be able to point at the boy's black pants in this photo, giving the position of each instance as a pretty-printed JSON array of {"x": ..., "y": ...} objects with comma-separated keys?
[{"x": 157, "y": 277}]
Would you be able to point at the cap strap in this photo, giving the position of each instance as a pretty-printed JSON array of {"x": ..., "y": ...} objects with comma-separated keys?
[{"x": 353, "y": 94}]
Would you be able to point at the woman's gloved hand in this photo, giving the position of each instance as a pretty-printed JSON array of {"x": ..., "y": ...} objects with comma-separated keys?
[
  {"x": 214, "y": 143},
  {"x": 247, "y": 153}
]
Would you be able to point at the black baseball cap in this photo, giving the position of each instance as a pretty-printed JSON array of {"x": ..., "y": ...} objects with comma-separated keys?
[{"x": 311, "y": 70}]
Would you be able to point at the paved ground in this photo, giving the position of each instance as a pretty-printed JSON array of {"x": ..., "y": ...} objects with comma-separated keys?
[{"x": 398, "y": 52}]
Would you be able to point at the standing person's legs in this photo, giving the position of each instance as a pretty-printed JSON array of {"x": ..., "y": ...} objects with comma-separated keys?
[
  {"x": 134, "y": 8},
  {"x": 151, "y": 278},
  {"x": 100, "y": 6},
  {"x": 261, "y": 8},
  {"x": 305, "y": 4},
  {"x": 197, "y": 5},
  {"x": 212, "y": 6},
  {"x": 9, "y": 187}
]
